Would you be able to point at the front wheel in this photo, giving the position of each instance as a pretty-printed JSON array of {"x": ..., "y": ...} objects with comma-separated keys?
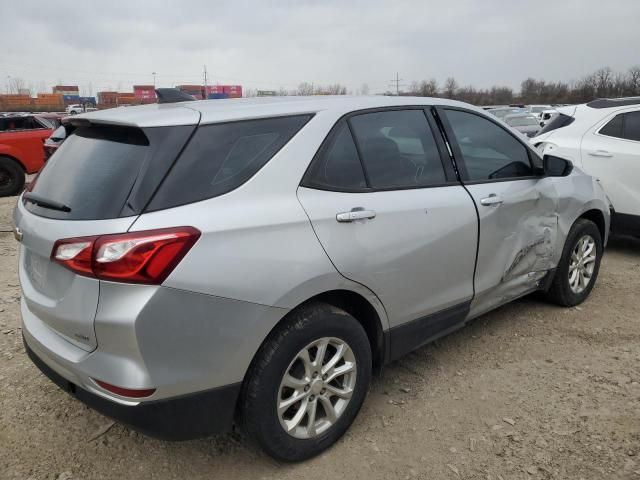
[
  {"x": 579, "y": 266},
  {"x": 307, "y": 383}
]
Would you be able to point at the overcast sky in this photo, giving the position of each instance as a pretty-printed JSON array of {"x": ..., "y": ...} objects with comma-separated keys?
[{"x": 281, "y": 43}]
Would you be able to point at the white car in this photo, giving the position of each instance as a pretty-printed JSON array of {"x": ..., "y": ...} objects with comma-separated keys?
[
  {"x": 602, "y": 137},
  {"x": 77, "y": 108},
  {"x": 537, "y": 109},
  {"x": 547, "y": 116}
]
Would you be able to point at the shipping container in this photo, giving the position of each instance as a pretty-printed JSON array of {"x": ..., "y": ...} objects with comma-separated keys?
[
  {"x": 234, "y": 91},
  {"x": 87, "y": 101},
  {"x": 144, "y": 92},
  {"x": 214, "y": 89},
  {"x": 69, "y": 90}
]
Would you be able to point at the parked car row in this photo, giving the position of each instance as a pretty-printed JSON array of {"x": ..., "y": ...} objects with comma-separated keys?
[
  {"x": 21, "y": 147},
  {"x": 254, "y": 263},
  {"x": 602, "y": 138}
]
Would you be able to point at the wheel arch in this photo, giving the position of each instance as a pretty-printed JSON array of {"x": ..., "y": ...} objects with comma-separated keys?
[
  {"x": 597, "y": 217},
  {"x": 13, "y": 158}
]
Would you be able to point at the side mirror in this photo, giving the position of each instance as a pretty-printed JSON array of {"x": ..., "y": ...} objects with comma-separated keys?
[{"x": 556, "y": 166}]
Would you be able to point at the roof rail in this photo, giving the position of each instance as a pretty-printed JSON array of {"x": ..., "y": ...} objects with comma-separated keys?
[
  {"x": 172, "y": 95},
  {"x": 613, "y": 102}
]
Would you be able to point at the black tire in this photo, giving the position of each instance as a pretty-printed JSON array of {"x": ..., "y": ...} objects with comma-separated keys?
[
  {"x": 260, "y": 392},
  {"x": 11, "y": 177},
  {"x": 560, "y": 291}
]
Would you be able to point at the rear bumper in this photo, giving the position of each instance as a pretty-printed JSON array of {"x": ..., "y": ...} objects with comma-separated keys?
[{"x": 181, "y": 418}]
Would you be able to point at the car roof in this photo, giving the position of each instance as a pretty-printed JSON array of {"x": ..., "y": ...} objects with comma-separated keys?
[
  {"x": 614, "y": 102},
  {"x": 216, "y": 111}
]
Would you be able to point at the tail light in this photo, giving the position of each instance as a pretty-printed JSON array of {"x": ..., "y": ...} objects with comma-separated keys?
[{"x": 138, "y": 257}]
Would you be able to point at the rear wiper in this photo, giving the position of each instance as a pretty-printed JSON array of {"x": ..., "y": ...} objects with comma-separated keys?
[{"x": 45, "y": 203}]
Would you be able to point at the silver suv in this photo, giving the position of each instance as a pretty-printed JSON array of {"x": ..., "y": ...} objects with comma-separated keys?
[{"x": 190, "y": 265}]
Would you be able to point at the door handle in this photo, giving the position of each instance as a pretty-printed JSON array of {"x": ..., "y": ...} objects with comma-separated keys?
[
  {"x": 355, "y": 214},
  {"x": 492, "y": 200},
  {"x": 601, "y": 153}
]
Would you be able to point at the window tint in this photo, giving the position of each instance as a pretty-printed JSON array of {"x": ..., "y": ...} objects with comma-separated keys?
[
  {"x": 632, "y": 126},
  {"x": 560, "y": 121},
  {"x": 488, "y": 150},
  {"x": 92, "y": 172},
  {"x": 339, "y": 166},
  {"x": 19, "y": 123},
  {"x": 398, "y": 149},
  {"x": 613, "y": 128},
  {"x": 221, "y": 157}
]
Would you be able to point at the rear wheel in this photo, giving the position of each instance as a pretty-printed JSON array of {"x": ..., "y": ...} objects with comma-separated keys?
[
  {"x": 307, "y": 383},
  {"x": 579, "y": 266},
  {"x": 11, "y": 177}
]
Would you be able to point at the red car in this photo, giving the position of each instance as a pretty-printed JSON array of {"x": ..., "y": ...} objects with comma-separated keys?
[{"x": 21, "y": 139}]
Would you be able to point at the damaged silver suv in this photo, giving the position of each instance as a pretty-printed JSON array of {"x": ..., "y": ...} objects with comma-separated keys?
[{"x": 187, "y": 266}]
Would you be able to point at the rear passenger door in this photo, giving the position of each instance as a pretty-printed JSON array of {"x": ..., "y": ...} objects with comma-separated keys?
[
  {"x": 383, "y": 200},
  {"x": 516, "y": 206},
  {"x": 611, "y": 152}
]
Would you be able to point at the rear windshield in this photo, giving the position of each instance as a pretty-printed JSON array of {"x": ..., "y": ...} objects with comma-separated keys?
[
  {"x": 92, "y": 173},
  {"x": 521, "y": 121},
  {"x": 560, "y": 121},
  {"x": 221, "y": 157}
]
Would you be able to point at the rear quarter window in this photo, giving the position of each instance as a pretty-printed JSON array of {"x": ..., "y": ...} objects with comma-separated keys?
[{"x": 221, "y": 157}]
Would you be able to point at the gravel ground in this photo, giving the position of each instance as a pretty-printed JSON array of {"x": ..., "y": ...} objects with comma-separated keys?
[{"x": 528, "y": 391}]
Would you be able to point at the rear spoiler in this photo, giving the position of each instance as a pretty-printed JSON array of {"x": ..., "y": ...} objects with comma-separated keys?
[{"x": 172, "y": 95}]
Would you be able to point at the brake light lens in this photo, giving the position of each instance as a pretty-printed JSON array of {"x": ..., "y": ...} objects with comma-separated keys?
[{"x": 138, "y": 257}]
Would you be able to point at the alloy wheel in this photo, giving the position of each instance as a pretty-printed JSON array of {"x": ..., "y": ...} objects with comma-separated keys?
[
  {"x": 582, "y": 264},
  {"x": 316, "y": 387}
]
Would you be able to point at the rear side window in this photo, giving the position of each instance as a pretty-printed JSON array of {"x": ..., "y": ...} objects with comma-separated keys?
[
  {"x": 19, "y": 123},
  {"x": 560, "y": 121},
  {"x": 613, "y": 128},
  {"x": 398, "y": 149},
  {"x": 339, "y": 166},
  {"x": 632, "y": 126},
  {"x": 488, "y": 150},
  {"x": 221, "y": 157},
  {"x": 92, "y": 173}
]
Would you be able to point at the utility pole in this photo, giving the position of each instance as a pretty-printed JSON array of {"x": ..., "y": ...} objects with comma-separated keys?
[
  {"x": 397, "y": 83},
  {"x": 154, "y": 79},
  {"x": 205, "y": 81}
]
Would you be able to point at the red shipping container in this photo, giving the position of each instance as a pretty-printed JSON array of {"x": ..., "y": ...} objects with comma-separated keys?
[
  {"x": 144, "y": 92},
  {"x": 234, "y": 91},
  {"x": 215, "y": 89}
]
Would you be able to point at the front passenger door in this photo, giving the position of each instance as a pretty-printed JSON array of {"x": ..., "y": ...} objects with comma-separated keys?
[{"x": 516, "y": 208}]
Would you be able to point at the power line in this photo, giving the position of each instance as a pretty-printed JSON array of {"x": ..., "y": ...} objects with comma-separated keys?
[{"x": 397, "y": 83}]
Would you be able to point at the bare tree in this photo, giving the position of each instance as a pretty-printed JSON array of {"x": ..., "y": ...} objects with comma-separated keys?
[
  {"x": 429, "y": 88},
  {"x": 16, "y": 84},
  {"x": 603, "y": 81},
  {"x": 305, "y": 88},
  {"x": 633, "y": 80},
  {"x": 335, "y": 89},
  {"x": 450, "y": 87},
  {"x": 364, "y": 89}
]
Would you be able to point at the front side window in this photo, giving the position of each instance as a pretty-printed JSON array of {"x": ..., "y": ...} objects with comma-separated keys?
[
  {"x": 398, "y": 149},
  {"x": 489, "y": 152}
]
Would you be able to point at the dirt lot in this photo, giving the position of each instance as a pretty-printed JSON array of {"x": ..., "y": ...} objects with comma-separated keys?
[{"x": 528, "y": 391}]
